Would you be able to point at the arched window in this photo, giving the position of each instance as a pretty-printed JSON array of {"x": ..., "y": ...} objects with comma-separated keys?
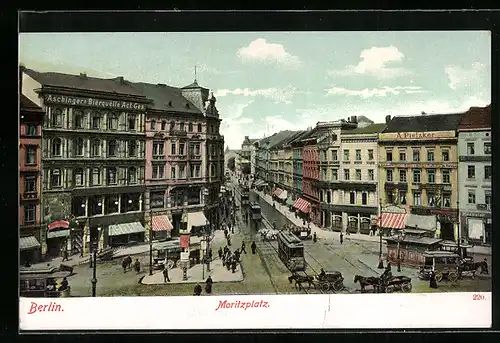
[
  {"x": 79, "y": 119},
  {"x": 96, "y": 148},
  {"x": 199, "y": 127},
  {"x": 78, "y": 146},
  {"x": 131, "y": 122},
  {"x": 112, "y": 121},
  {"x": 57, "y": 118},
  {"x": 55, "y": 178},
  {"x": 111, "y": 177},
  {"x": 112, "y": 148},
  {"x": 132, "y": 149},
  {"x": 96, "y": 176},
  {"x": 190, "y": 127},
  {"x": 56, "y": 147},
  {"x": 163, "y": 125},
  {"x": 132, "y": 175},
  {"x": 153, "y": 125},
  {"x": 79, "y": 177},
  {"x": 181, "y": 126},
  {"x": 96, "y": 121}
]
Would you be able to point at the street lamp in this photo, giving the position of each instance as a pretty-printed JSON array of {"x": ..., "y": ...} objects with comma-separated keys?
[
  {"x": 380, "y": 233},
  {"x": 401, "y": 238},
  {"x": 458, "y": 229},
  {"x": 151, "y": 242},
  {"x": 94, "y": 265}
]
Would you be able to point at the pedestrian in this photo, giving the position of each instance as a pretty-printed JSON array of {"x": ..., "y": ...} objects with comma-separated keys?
[
  {"x": 315, "y": 239},
  {"x": 233, "y": 266},
  {"x": 303, "y": 221},
  {"x": 229, "y": 241},
  {"x": 228, "y": 263},
  {"x": 432, "y": 280},
  {"x": 347, "y": 232},
  {"x": 197, "y": 289},
  {"x": 341, "y": 237},
  {"x": 220, "y": 253},
  {"x": 137, "y": 266},
  {"x": 65, "y": 255},
  {"x": 225, "y": 233},
  {"x": 210, "y": 255},
  {"x": 208, "y": 285},
  {"x": 380, "y": 263},
  {"x": 253, "y": 247},
  {"x": 165, "y": 275},
  {"x": 243, "y": 250}
]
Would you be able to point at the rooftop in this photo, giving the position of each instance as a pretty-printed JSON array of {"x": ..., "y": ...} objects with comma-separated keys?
[
  {"x": 27, "y": 104},
  {"x": 373, "y": 128},
  {"x": 476, "y": 118},
  {"x": 424, "y": 123}
]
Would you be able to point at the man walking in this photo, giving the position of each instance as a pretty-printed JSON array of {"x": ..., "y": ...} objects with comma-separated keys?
[
  {"x": 165, "y": 275},
  {"x": 341, "y": 237},
  {"x": 253, "y": 247},
  {"x": 243, "y": 250},
  {"x": 220, "y": 253}
]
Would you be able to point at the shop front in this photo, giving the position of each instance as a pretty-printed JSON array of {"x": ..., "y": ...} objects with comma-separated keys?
[
  {"x": 125, "y": 234},
  {"x": 161, "y": 227},
  {"x": 58, "y": 238},
  {"x": 303, "y": 207},
  {"x": 196, "y": 223},
  {"x": 392, "y": 218},
  {"x": 29, "y": 248},
  {"x": 411, "y": 249}
]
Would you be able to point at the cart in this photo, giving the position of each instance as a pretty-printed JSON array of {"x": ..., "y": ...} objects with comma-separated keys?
[
  {"x": 395, "y": 284},
  {"x": 331, "y": 280},
  {"x": 444, "y": 264}
]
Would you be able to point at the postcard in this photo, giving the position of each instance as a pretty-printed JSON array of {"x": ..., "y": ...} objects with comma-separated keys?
[{"x": 248, "y": 180}]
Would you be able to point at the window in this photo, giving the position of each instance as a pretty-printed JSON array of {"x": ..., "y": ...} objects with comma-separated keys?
[
  {"x": 55, "y": 178},
  {"x": 211, "y": 129},
  {"x": 181, "y": 126},
  {"x": 431, "y": 175},
  {"x": 157, "y": 199},
  {"x": 172, "y": 172},
  {"x": 30, "y": 158},
  {"x": 471, "y": 172},
  {"x": 487, "y": 148},
  {"x": 112, "y": 148},
  {"x": 390, "y": 197},
  {"x": 328, "y": 196},
  {"x": 78, "y": 120},
  {"x": 402, "y": 156},
  {"x": 358, "y": 155},
  {"x": 371, "y": 175},
  {"x": 390, "y": 176},
  {"x": 163, "y": 125},
  {"x": 29, "y": 213},
  {"x": 173, "y": 148},
  {"x": 78, "y": 146},
  {"x": 30, "y": 130},
  {"x": 470, "y": 149},
  {"x": 96, "y": 177},
  {"x": 197, "y": 149},
  {"x": 402, "y": 198},
  {"x": 446, "y": 199},
  {"x": 346, "y": 174},
  {"x": 334, "y": 155},
  {"x": 57, "y": 118},
  {"x": 96, "y": 148},
  {"x": 191, "y": 170},
  {"x": 181, "y": 148},
  {"x": 212, "y": 170},
  {"x": 335, "y": 174},
  {"x": 323, "y": 174},
  {"x": 416, "y": 155},
  {"x": 487, "y": 172},
  {"x": 358, "y": 174},
  {"x": 96, "y": 122},
  {"x": 431, "y": 199},
  {"x": 158, "y": 170},
  {"x": 111, "y": 176},
  {"x": 112, "y": 122},
  {"x": 132, "y": 175},
  {"x": 352, "y": 197},
  {"x": 158, "y": 148},
  {"x": 445, "y": 155},
  {"x": 346, "y": 155},
  {"x": 30, "y": 184},
  {"x": 417, "y": 199},
  {"x": 416, "y": 175},
  {"x": 153, "y": 125},
  {"x": 402, "y": 175},
  {"x": 364, "y": 198},
  {"x": 182, "y": 172},
  {"x": 190, "y": 127},
  {"x": 487, "y": 200},
  {"x": 370, "y": 154},
  {"x": 472, "y": 196},
  {"x": 446, "y": 176},
  {"x": 199, "y": 127},
  {"x": 56, "y": 147},
  {"x": 131, "y": 122},
  {"x": 79, "y": 177},
  {"x": 388, "y": 155},
  {"x": 430, "y": 155},
  {"x": 132, "y": 148}
]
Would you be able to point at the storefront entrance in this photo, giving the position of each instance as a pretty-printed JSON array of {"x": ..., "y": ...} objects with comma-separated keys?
[
  {"x": 55, "y": 246},
  {"x": 447, "y": 231}
]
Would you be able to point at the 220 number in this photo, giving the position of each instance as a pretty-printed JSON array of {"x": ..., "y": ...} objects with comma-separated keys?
[{"x": 478, "y": 297}]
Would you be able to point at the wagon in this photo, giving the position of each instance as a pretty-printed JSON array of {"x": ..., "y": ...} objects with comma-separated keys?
[
  {"x": 331, "y": 280},
  {"x": 396, "y": 283},
  {"x": 444, "y": 264}
]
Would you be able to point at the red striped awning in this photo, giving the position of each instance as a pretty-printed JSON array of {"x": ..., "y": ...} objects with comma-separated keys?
[
  {"x": 58, "y": 224},
  {"x": 277, "y": 191},
  {"x": 302, "y": 205},
  {"x": 161, "y": 223},
  {"x": 392, "y": 220}
]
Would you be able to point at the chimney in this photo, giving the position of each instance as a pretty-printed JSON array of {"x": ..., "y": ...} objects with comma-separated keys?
[
  {"x": 247, "y": 138},
  {"x": 354, "y": 119},
  {"x": 387, "y": 119},
  {"x": 83, "y": 75},
  {"x": 120, "y": 79}
]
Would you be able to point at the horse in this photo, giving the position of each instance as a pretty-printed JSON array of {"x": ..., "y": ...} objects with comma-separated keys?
[
  {"x": 126, "y": 263},
  {"x": 299, "y": 280},
  {"x": 366, "y": 281}
]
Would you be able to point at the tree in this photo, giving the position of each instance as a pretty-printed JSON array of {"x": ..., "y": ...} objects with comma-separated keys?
[{"x": 231, "y": 164}]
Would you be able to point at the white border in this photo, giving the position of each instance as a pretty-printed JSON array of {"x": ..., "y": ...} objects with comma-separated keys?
[{"x": 368, "y": 311}]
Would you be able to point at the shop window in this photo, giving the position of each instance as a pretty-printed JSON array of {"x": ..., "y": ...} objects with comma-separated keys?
[
  {"x": 95, "y": 206},
  {"x": 431, "y": 199},
  {"x": 446, "y": 199},
  {"x": 417, "y": 199},
  {"x": 402, "y": 198},
  {"x": 194, "y": 196},
  {"x": 112, "y": 202},
  {"x": 78, "y": 206}
]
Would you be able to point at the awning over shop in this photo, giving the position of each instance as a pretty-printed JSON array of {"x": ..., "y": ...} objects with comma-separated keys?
[
  {"x": 58, "y": 224},
  {"x": 258, "y": 183},
  {"x": 277, "y": 192},
  {"x": 392, "y": 220},
  {"x": 422, "y": 222},
  {"x": 161, "y": 223},
  {"x": 283, "y": 195},
  {"x": 29, "y": 242},
  {"x": 196, "y": 219},
  {"x": 125, "y": 229},
  {"x": 57, "y": 234},
  {"x": 302, "y": 205},
  {"x": 289, "y": 202}
]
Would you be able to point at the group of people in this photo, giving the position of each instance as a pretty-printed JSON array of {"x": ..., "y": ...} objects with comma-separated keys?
[
  {"x": 230, "y": 259},
  {"x": 208, "y": 287},
  {"x": 52, "y": 286}
]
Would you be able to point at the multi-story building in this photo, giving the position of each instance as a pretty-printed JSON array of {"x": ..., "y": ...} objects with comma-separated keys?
[
  {"x": 418, "y": 172},
  {"x": 474, "y": 175},
  {"x": 229, "y": 154},
  {"x": 297, "y": 146},
  {"x": 93, "y": 154},
  {"x": 253, "y": 158},
  {"x": 246, "y": 162},
  {"x": 30, "y": 152}
]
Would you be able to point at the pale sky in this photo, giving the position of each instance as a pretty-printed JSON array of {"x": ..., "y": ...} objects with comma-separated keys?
[{"x": 271, "y": 81}]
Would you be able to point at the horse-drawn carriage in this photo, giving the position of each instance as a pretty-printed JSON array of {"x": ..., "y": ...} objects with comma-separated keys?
[
  {"x": 327, "y": 281},
  {"x": 389, "y": 284},
  {"x": 301, "y": 232},
  {"x": 444, "y": 264}
]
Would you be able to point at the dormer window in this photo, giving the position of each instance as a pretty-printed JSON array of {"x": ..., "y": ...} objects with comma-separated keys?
[
  {"x": 187, "y": 105},
  {"x": 170, "y": 104}
]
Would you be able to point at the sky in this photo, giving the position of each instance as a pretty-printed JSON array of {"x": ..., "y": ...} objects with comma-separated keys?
[{"x": 265, "y": 82}]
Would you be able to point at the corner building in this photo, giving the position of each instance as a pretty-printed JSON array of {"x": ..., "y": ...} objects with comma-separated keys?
[{"x": 418, "y": 164}]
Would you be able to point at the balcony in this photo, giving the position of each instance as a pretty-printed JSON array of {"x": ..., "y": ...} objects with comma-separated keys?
[
  {"x": 159, "y": 157},
  {"x": 194, "y": 157},
  {"x": 178, "y": 133},
  {"x": 30, "y": 196}
]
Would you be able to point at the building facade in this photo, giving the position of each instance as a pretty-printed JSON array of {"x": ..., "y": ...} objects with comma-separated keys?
[
  {"x": 418, "y": 171},
  {"x": 30, "y": 152},
  {"x": 474, "y": 175},
  {"x": 310, "y": 177}
]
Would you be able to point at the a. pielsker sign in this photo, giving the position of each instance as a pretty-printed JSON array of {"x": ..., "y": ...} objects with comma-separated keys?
[
  {"x": 93, "y": 102},
  {"x": 408, "y": 136}
]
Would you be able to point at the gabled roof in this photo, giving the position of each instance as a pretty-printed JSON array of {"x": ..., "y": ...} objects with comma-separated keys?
[
  {"x": 194, "y": 85},
  {"x": 373, "y": 128},
  {"x": 28, "y": 105},
  {"x": 424, "y": 123},
  {"x": 476, "y": 118}
]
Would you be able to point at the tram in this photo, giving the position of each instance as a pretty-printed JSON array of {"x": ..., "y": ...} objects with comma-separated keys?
[
  {"x": 291, "y": 251},
  {"x": 254, "y": 211},
  {"x": 242, "y": 196}
]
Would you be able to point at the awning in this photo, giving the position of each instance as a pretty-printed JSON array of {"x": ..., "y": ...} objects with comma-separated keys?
[
  {"x": 196, "y": 219},
  {"x": 28, "y": 242},
  {"x": 283, "y": 195},
  {"x": 277, "y": 192},
  {"x": 58, "y": 224},
  {"x": 289, "y": 202},
  {"x": 258, "y": 183},
  {"x": 161, "y": 223},
  {"x": 422, "y": 222},
  {"x": 392, "y": 220},
  {"x": 58, "y": 233},
  {"x": 125, "y": 229},
  {"x": 302, "y": 205}
]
